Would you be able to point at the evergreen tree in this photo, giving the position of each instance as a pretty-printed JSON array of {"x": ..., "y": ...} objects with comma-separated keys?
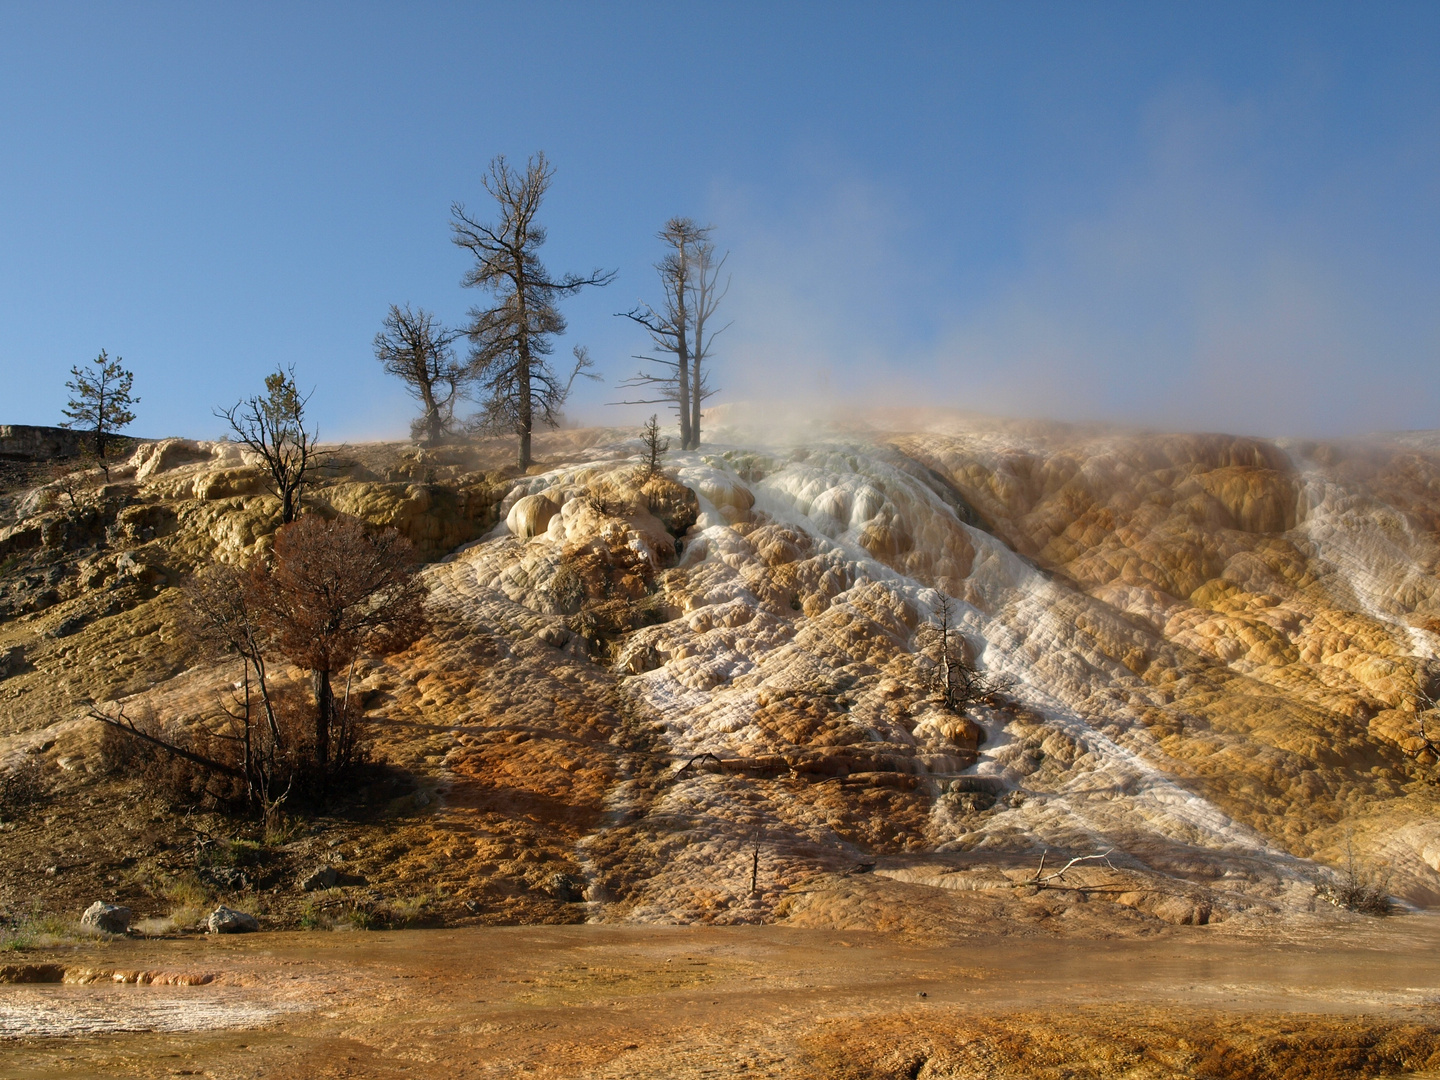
[{"x": 101, "y": 401}]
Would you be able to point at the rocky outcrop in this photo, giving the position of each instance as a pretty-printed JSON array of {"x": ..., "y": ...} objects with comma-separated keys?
[
  {"x": 224, "y": 920},
  {"x": 31, "y": 443},
  {"x": 107, "y": 918}
]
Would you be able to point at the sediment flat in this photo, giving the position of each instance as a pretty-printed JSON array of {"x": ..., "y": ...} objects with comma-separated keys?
[{"x": 1361, "y": 999}]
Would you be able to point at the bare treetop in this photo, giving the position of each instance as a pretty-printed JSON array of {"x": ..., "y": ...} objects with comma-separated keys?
[
  {"x": 274, "y": 427},
  {"x": 510, "y": 340},
  {"x": 415, "y": 348},
  {"x": 689, "y": 282}
]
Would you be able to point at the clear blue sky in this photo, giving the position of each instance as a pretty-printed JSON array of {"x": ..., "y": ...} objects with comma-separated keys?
[{"x": 1191, "y": 215}]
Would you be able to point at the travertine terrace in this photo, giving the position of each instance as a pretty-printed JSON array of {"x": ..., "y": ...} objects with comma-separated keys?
[{"x": 637, "y": 699}]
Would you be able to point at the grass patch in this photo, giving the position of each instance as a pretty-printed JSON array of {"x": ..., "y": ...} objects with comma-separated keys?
[
  {"x": 35, "y": 930},
  {"x": 313, "y": 918},
  {"x": 190, "y": 901}
]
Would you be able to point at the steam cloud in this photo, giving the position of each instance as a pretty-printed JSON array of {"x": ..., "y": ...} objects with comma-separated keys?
[{"x": 1197, "y": 296}]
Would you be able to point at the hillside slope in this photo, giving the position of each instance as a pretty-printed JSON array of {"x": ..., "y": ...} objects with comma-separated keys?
[{"x": 635, "y": 701}]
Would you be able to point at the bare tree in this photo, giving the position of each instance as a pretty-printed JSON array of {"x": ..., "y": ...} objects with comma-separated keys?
[
  {"x": 101, "y": 401},
  {"x": 689, "y": 275},
  {"x": 415, "y": 348},
  {"x": 274, "y": 427},
  {"x": 708, "y": 294},
  {"x": 510, "y": 340},
  {"x": 334, "y": 591},
  {"x": 222, "y": 612},
  {"x": 947, "y": 669}
]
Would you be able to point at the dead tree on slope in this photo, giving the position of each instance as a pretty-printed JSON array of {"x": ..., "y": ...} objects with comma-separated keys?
[
  {"x": 222, "y": 612},
  {"x": 1423, "y": 747},
  {"x": 945, "y": 666},
  {"x": 415, "y": 348},
  {"x": 708, "y": 294},
  {"x": 273, "y": 426},
  {"x": 510, "y": 340},
  {"x": 689, "y": 274}
]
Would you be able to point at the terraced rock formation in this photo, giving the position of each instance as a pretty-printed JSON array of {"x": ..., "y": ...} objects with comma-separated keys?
[{"x": 696, "y": 698}]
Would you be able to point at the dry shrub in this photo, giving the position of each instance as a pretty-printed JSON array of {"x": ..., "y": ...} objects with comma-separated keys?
[
  {"x": 291, "y": 767},
  {"x": 22, "y": 787},
  {"x": 1356, "y": 888},
  {"x": 175, "y": 779},
  {"x": 615, "y": 588}
]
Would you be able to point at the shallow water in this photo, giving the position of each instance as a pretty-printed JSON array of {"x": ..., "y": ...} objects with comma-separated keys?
[{"x": 675, "y": 1001}]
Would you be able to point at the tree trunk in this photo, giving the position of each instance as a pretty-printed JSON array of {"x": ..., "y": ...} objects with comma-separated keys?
[
  {"x": 695, "y": 399},
  {"x": 522, "y": 358},
  {"x": 432, "y": 414},
  {"x": 525, "y": 458},
  {"x": 100, "y": 422},
  {"x": 682, "y": 361},
  {"x": 324, "y": 709}
]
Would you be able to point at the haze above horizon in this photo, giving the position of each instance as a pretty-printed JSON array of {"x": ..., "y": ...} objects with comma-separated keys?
[{"x": 1222, "y": 217}]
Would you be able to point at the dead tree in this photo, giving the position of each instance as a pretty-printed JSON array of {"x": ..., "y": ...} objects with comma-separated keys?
[
  {"x": 510, "y": 340},
  {"x": 678, "y": 331},
  {"x": 1424, "y": 748},
  {"x": 274, "y": 427},
  {"x": 945, "y": 666},
  {"x": 219, "y": 612},
  {"x": 415, "y": 348},
  {"x": 123, "y": 723},
  {"x": 1041, "y": 879},
  {"x": 222, "y": 612},
  {"x": 708, "y": 294}
]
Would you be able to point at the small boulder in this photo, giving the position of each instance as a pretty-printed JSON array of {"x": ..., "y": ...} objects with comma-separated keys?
[
  {"x": 12, "y": 661},
  {"x": 107, "y": 918},
  {"x": 224, "y": 920},
  {"x": 225, "y": 877},
  {"x": 322, "y": 877},
  {"x": 530, "y": 516},
  {"x": 71, "y": 624},
  {"x": 566, "y": 888}
]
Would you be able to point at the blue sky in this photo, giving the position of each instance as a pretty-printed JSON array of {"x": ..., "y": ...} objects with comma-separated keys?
[{"x": 1181, "y": 215}]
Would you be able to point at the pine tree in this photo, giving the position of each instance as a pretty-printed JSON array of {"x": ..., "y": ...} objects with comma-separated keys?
[
  {"x": 655, "y": 447},
  {"x": 101, "y": 401}
]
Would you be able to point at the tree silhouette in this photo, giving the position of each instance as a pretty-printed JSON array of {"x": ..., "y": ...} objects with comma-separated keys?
[
  {"x": 510, "y": 340},
  {"x": 416, "y": 349},
  {"x": 101, "y": 401}
]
